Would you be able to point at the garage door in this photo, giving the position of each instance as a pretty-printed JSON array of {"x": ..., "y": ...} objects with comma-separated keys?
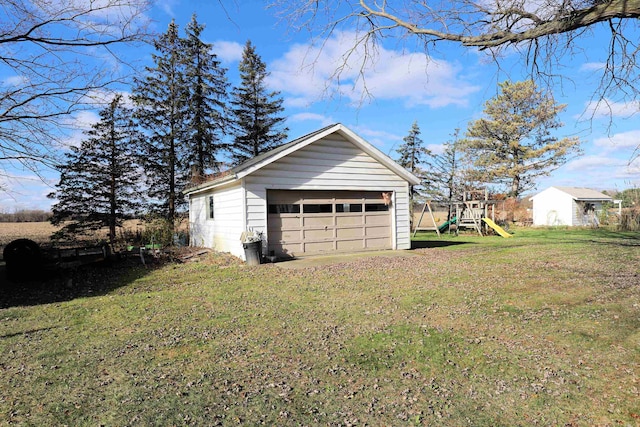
[{"x": 316, "y": 222}]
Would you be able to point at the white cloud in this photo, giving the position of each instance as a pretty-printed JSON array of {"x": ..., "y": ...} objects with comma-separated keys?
[
  {"x": 15, "y": 81},
  {"x": 78, "y": 124},
  {"x": 227, "y": 51},
  {"x": 436, "y": 148},
  {"x": 103, "y": 17},
  {"x": 592, "y": 66},
  {"x": 85, "y": 119},
  {"x": 306, "y": 74},
  {"x": 101, "y": 98},
  {"x": 25, "y": 192},
  {"x": 166, "y": 6},
  {"x": 609, "y": 164},
  {"x": 620, "y": 141},
  {"x": 591, "y": 163},
  {"x": 101, "y": 8},
  {"x": 598, "y": 171},
  {"x": 607, "y": 109},
  {"x": 377, "y": 137},
  {"x": 634, "y": 167},
  {"x": 303, "y": 117}
]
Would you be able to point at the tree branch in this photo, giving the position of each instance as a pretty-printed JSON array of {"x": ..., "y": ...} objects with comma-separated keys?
[{"x": 567, "y": 22}]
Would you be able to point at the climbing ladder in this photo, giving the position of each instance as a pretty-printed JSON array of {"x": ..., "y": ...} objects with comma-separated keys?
[{"x": 470, "y": 215}]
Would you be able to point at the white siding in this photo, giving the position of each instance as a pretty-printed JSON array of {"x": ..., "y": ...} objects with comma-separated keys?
[
  {"x": 328, "y": 164},
  {"x": 565, "y": 206},
  {"x": 221, "y": 233},
  {"x": 553, "y": 207},
  {"x": 576, "y": 213},
  {"x": 579, "y": 216},
  {"x": 200, "y": 229}
]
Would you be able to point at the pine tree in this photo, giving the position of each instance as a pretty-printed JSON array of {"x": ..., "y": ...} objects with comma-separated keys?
[
  {"x": 207, "y": 85},
  {"x": 412, "y": 157},
  {"x": 443, "y": 182},
  {"x": 98, "y": 182},
  {"x": 257, "y": 125},
  {"x": 512, "y": 144},
  {"x": 162, "y": 112}
]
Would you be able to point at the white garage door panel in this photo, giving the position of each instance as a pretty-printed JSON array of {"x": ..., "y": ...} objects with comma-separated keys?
[
  {"x": 350, "y": 245},
  {"x": 377, "y": 231},
  {"x": 320, "y": 234},
  {"x": 377, "y": 243},
  {"x": 345, "y": 221},
  {"x": 349, "y": 233},
  {"x": 316, "y": 222},
  {"x": 317, "y": 247},
  {"x": 377, "y": 219}
]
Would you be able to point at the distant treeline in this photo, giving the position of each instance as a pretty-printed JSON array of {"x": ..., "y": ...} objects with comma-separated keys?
[{"x": 25, "y": 215}]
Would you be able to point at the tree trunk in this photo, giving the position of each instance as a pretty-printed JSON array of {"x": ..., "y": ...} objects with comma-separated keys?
[{"x": 515, "y": 187}]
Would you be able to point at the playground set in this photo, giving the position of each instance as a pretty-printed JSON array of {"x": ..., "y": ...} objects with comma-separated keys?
[{"x": 473, "y": 212}]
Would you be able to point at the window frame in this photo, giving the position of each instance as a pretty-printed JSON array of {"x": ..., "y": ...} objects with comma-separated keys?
[
  {"x": 376, "y": 207},
  {"x": 210, "y": 204},
  {"x": 318, "y": 208},
  {"x": 284, "y": 209}
]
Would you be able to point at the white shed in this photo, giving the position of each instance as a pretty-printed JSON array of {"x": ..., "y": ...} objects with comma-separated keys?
[
  {"x": 568, "y": 206},
  {"x": 328, "y": 191}
]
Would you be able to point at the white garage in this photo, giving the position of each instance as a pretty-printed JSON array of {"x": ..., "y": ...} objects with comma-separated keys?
[{"x": 329, "y": 191}]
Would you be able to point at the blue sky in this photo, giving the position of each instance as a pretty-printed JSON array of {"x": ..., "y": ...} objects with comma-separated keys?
[{"x": 442, "y": 92}]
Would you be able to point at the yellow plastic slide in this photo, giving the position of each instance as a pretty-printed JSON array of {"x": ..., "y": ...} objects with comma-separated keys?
[{"x": 496, "y": 227}]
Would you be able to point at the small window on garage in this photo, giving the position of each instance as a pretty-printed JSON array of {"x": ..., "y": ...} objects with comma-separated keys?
[
  {"x": 284, "y": 208},
  {"x": 376, "y": 207},
  {"x": 317, "y": 208},
  {"x": 348, "y": 207},
  {"x": 210, "y": 207}
]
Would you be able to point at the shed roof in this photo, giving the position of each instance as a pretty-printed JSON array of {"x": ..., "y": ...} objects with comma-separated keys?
[
  {"x": 581, "y": 193},
  {"x": 271, "y": 156}
]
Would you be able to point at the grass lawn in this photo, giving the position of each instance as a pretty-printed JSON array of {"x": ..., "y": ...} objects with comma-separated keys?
[{"x": 543, "y": 328}]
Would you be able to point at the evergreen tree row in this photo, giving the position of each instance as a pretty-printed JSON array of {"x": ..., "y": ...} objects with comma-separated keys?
[{"x": 176, "y": 132}]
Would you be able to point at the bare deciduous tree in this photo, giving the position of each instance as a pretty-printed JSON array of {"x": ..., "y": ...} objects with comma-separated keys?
[
  {"x": 543, "y": 31},
  {"x": 53, "y": 56}
]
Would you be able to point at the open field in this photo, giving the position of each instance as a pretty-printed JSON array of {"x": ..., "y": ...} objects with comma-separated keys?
[
  {"x": 36, "y": 231},
  {"x": 40, "y": 232},
  {"x": 540, "y": 329}
]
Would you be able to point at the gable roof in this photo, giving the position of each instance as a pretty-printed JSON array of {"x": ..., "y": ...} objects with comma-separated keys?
[
  {"x": 580, "y": 193},
  {"x": 277, "y": 153}
]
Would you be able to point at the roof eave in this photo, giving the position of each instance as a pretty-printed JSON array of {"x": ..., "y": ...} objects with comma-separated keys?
[
  {"x": 592, "y": 199},
  {"x": 205, "y": 186}
]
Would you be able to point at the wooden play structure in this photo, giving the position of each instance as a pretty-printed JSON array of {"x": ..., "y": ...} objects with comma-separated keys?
[
  {"x": 431, "y": 227},
  {"x": 472, "y": 209},
  {"x": 475, "y": 211}
]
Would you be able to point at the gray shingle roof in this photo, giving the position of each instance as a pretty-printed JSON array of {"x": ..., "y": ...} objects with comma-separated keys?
[{"x": 580, "y": 193}]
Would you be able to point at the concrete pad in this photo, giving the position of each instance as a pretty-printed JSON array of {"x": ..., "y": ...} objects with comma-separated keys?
[{"x": 319, "y": 260}]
